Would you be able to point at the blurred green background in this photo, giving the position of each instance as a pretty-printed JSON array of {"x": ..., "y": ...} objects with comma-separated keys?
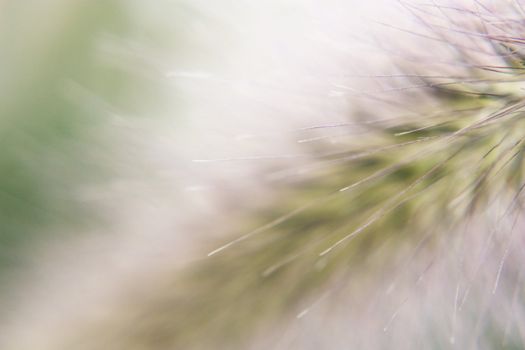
[{"x": 69, "y": 70}]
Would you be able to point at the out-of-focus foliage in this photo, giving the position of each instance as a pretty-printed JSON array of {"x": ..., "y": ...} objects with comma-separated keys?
[{"x": 69, "y": 70}]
